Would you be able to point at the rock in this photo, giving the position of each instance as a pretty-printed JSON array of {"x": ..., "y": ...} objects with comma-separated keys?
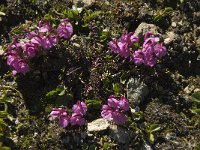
[
  {"x": 171, "y": 36},
  {"x": 136, "y": 91},
  {"x": 173, "y": 24},
  {"x": 83, "y": 2},
  {"x": 198, "y": 44},
  {"x": 146, "y": 146},
  {"x": 196, "y": 90},
  {"x": 196, "y": 17},
  {"x": 189, "y": 89},
  {"x": 120, "y": 134},
  {"x": 145, "y": 27},
  {"x": 98, "y": 125}
]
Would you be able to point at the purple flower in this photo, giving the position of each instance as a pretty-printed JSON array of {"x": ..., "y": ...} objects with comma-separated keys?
[
  {"x": 12, "y": 59},
  {"x": 115, "y": 110},
  {"x": 149, "y": 60},
  {"x": 106, "y": 112},
  {"x": 138, "y": 57},
  {"x": 65, "y": 29},
  {"x": 62, "y": 116},
  {"x": 20, "y": 66},
  {"x": 30, "y": 49},
  {"x": 113, "y": 102},
  {"x": 37, "y": 40},
  {"x": 129, "y": 38},
  {"x": 124, "y": 104},
  {"x": 151, "y": 50},
  {"x": 46, "y": 42},
  {"x": 14, "y": 47},
  {"x": 120, "y": 48},
  {"x": 79, "y": 108},
  {"x": 77, "y": 119},
  {"x": 119, "y": 117},
  {"x": 160, "y": 50},
  {"x": 44, "y": 26},
  {"x": 49, "y": 41}
]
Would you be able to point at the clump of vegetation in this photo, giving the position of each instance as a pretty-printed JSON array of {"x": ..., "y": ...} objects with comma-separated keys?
[{"x": 90, "y": 55}]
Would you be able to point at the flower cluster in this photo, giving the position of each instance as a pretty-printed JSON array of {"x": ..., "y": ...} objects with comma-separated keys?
[
  {"x": 115, "y": 110},
  {"x": 132, "y": 47},
  {"x": 44, "y": 37},
  {"x": 76, "y": 118}
]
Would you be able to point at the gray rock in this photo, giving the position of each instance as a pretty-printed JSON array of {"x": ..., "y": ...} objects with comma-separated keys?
[
  {"x": 120, "y": 134},
  {"x": 136, "y": 91},
  {"x": 98, "y": 125},
  {"x": 145, "y": 27}
]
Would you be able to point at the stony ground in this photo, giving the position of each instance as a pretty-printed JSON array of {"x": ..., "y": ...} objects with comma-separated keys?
[{"x": 86, "y": 70}]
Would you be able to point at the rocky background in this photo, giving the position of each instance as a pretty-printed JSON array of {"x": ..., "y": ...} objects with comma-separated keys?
[{"x": 163, "y": 115}]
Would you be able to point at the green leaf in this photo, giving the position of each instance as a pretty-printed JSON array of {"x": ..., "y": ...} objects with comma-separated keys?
[
  {"x": 154, "y": 128},
  {"x": 168, "y": 9},
  {"x": 117, "y": 88},
  {"x": 91, "y": 15},
  {"x": 196, "y": 97},
  {"x": 3, "y": 114},
  {"x": 151, "y": 138},
  {"x": 195, "y": 111},
  {"x": 93, "y": 103},
  {"x": 62, "y": 92},
  {"x": 54, "y": 92},
  {"x": 106, "y": 146},
  {"x": 5, "y": 148}
]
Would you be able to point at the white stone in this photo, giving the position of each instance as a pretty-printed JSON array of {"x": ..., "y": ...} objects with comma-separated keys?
[{"x": 98, "y": 125}]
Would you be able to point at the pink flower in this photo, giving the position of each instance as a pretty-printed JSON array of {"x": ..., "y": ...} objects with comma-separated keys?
[
  {"x": 151, "y": 51},
  {"x": 44, "y": 26},
  {"x": 119, "y": 117},
  {"x": 62, "y": 116},
  {"x": 119, "y": 48},
  {"x": 12, "y": 59},
  {"x": 49, "y": 41},
  {"x": 46, "y": 42},
  {"x": 77, "y": 119},
  {"x": 79, "y": 108},
  {"x": 115, "y": 110},
  {"x": 14, "y": 48},
  {"x": 20, "y": 67},
  {"x": 160, "y": 50},
  {"x": 65, "y": 29},
  {"x": 138, "y": 57},
  {"x": 123, "y": 103},
  {"x": 129, "y": 38},
  {"x": 37, "y": 40},
  {"x": 30, "y": 49}
]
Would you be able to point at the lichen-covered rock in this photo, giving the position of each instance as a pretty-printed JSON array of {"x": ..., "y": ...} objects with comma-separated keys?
[
  {"x": 145, "y": 27},
  {"x": 136, "y": 91},
  {"x": 120, "y": 134},
  {"x": 98, "y": 125}
]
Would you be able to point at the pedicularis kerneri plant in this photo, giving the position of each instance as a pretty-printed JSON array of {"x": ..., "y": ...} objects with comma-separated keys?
[
  {"x": 43, "y": 38},
  {"x": 146, "y": 50},
  {"x": 141, "y": 50},
  {"x": 76, "y": 118},
  {"x": 116, "y": 109}
]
